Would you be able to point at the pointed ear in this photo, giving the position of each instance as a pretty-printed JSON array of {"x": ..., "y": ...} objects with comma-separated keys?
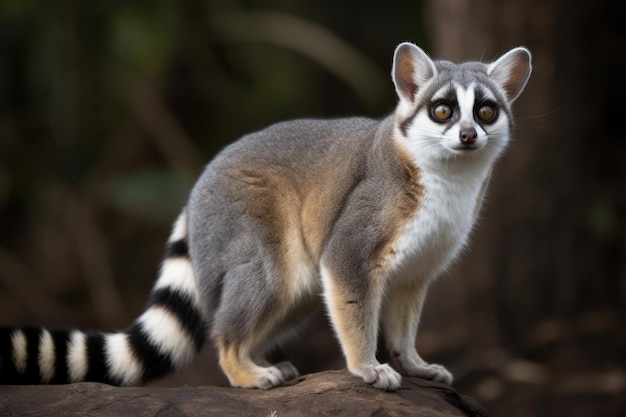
[
  {"x": 511, "y": 71},
  {"x": 412, "y": 68}
]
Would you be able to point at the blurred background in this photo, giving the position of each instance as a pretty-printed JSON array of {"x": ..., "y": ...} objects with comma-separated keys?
[{"x": 109, "y": 110}]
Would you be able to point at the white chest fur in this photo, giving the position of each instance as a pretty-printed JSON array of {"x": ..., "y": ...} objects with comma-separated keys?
[{"x": 438, "y": 231}]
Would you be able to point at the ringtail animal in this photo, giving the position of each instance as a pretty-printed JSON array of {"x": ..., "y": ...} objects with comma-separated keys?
[{"x": 356, "y": 214}]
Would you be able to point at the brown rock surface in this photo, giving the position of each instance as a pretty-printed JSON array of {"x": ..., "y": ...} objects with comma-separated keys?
[{"x": 332, "y": 393}]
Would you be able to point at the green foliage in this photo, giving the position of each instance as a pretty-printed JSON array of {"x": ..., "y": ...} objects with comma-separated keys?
[
  {"x": 142, "y": 36},
  {"x": 604, "y": 218},
  {"x": 152, "y": 195}
]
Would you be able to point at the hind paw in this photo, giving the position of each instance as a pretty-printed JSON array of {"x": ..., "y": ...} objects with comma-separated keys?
[
  {"x": 274, "y": 376},
  {"x": 288, "y": 371}
]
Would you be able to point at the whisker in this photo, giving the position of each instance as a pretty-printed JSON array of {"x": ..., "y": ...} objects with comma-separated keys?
[
  {"x": 547, "y": 129},
  {"x": 539, "y": 115},
  {"x": 482, "y": 56}
]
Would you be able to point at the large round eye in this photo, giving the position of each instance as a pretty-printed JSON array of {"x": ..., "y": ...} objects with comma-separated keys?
[
  {"x": 487, "y": 113},
  {"x": 441, "y": 112}
]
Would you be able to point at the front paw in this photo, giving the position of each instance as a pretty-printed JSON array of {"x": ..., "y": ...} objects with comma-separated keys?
[
  {"x": 380, "y": 376},
  {"x": 411, "y": 364},
  {"x": 432, "y": 371}
]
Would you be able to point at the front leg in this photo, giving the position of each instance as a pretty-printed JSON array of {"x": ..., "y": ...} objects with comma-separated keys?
[
  {"x": 354, "y": 307},
  {"x": 401, "y": 315}
]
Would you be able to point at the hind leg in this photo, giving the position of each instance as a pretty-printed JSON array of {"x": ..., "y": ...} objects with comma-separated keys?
[
  {"x": 245, "y": 365},
  {"x": 250, "y": 311},
  {"x": 286, "y": 329},
  {"x": 242, "y": 371}
]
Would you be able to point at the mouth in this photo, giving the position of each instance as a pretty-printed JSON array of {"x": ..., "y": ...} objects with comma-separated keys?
[{"x": 465, "y": 148}]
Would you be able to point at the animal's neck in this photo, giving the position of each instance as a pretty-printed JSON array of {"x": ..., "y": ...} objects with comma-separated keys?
[{"x": 463, "y": 171}]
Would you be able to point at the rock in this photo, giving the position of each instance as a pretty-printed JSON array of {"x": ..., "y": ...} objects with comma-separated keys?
[{"x": 332, "y": 393}]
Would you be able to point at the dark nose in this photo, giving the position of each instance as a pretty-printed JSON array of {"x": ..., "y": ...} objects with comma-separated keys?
[{"x": 468, "y": 135}]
